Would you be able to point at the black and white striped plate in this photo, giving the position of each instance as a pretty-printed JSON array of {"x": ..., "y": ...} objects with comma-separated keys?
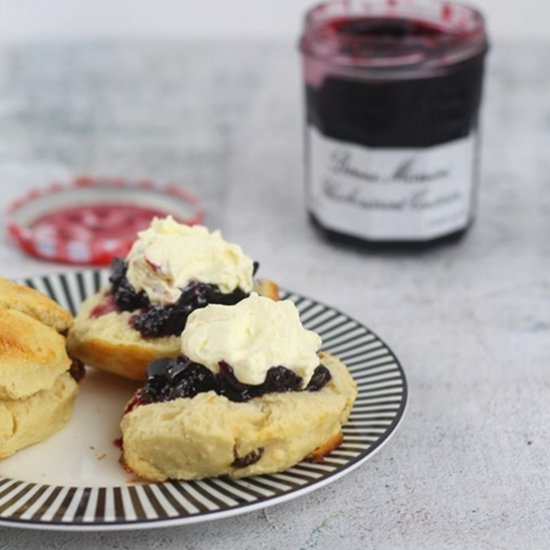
[{"x": 73, "y": 481}]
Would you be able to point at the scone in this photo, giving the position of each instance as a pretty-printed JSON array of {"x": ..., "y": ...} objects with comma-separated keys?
[
  {"x": 35, "y": 304},
  {"x": 32, "y": 355},
  {"x": 38, "y": 381},
  {"x": 171, "y": 270},
  {"x": 32, "y": 419},
  {"x": 249, "y": 395}
]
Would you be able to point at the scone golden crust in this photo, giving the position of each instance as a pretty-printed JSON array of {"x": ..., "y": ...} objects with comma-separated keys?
[
  {"x": 108, "y": 342},
  {"x": 32, "y": 355},
  {"x": 37, "y": 390},
  {"x": 24, "y": 422},
  {"x": 208, "y": 435},
  {"x": 35, "y": 304},
  {"x": 267, "y": 288}
]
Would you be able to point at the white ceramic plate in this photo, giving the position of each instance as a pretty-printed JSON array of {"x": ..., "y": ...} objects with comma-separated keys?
[{"x": 74, "y": 481}]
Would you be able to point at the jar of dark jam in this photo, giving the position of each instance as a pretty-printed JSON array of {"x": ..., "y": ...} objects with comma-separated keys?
[{"x": 392, "y": 94}]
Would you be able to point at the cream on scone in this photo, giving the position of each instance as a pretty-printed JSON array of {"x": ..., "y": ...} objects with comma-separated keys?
[
  {"x": 252, "y": 336},
  {"x": 168, "y": 255},
  {"x": 171, "y": 270},
  {"x": 251, "y": 394}
]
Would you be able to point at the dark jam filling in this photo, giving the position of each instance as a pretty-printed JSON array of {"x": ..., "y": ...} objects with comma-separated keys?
[
  {"x": 251, "y": 458},
  {"x": 154, "y": 321},
  {"x": 126, "y": 298},
  {"x": 169, "y": 379},
  {"x": 388, "y": 113},
  {"x": 77, "y": 370},
  {"x": 386, "y": 28},
  {"x": 106, "y": 306}
]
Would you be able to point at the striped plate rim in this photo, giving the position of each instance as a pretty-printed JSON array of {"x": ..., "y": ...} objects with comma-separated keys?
[{"x": 379, "y": 408}]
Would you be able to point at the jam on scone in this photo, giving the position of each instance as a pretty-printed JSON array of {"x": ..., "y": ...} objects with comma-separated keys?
[
  {"x": 219, "y": 339},
  {"x": 171, "y": 270}
]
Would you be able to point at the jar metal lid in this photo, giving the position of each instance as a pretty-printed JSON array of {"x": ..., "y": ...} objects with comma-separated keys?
[{"x": 88, "y": 240}]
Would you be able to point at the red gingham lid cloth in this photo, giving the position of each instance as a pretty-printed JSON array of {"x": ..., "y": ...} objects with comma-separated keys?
[{"x": 98, "y": 217}]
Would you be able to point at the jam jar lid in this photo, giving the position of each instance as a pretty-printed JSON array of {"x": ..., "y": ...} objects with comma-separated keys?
[
  {"x": 88, "y": 221},
  {"x": 393, "y": 37}
]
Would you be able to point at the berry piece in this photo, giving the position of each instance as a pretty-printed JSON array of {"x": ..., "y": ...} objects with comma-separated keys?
[
  {"x": 77, "y": 370},
  {"x": 321, "y": 376},
  {"x": 278, "y": 379},
  {"x": 231, "y": 388},
  {"x": 124, "y": 294},
  {"x": 281, "y": 379},
  {"x": 169, "y": 379},
  {"x": 248, "y": 459}
]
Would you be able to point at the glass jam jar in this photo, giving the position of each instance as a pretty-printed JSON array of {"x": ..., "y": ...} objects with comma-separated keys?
[{"x": 392, "y": 95}]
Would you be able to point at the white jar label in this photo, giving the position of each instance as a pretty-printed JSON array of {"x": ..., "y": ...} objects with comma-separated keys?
[{"x": 390, "y": 194}]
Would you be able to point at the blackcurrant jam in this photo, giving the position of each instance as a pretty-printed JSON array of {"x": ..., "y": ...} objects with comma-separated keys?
[
  {"x": 156, "y": 321},
  {"x": 169, "y": 379},
  {"x": 392, "y": 94}
]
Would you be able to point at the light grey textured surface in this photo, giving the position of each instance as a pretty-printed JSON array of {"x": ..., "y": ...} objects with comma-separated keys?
[{"x": 470, "y": 322}]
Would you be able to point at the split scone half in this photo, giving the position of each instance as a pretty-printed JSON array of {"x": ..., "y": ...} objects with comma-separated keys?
[
  {"x": 249, "y": 395},
  {"x": 35, "y": 304},
  {"x": 38, "y": 380},
  {"x": 171, "y": 270}
]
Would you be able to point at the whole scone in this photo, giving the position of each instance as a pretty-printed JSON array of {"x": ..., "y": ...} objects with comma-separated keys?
[
  {"x": 251, "y": 396},
  {"x": 38, "y": 381},
  {"x": 171, "y": 270}
]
